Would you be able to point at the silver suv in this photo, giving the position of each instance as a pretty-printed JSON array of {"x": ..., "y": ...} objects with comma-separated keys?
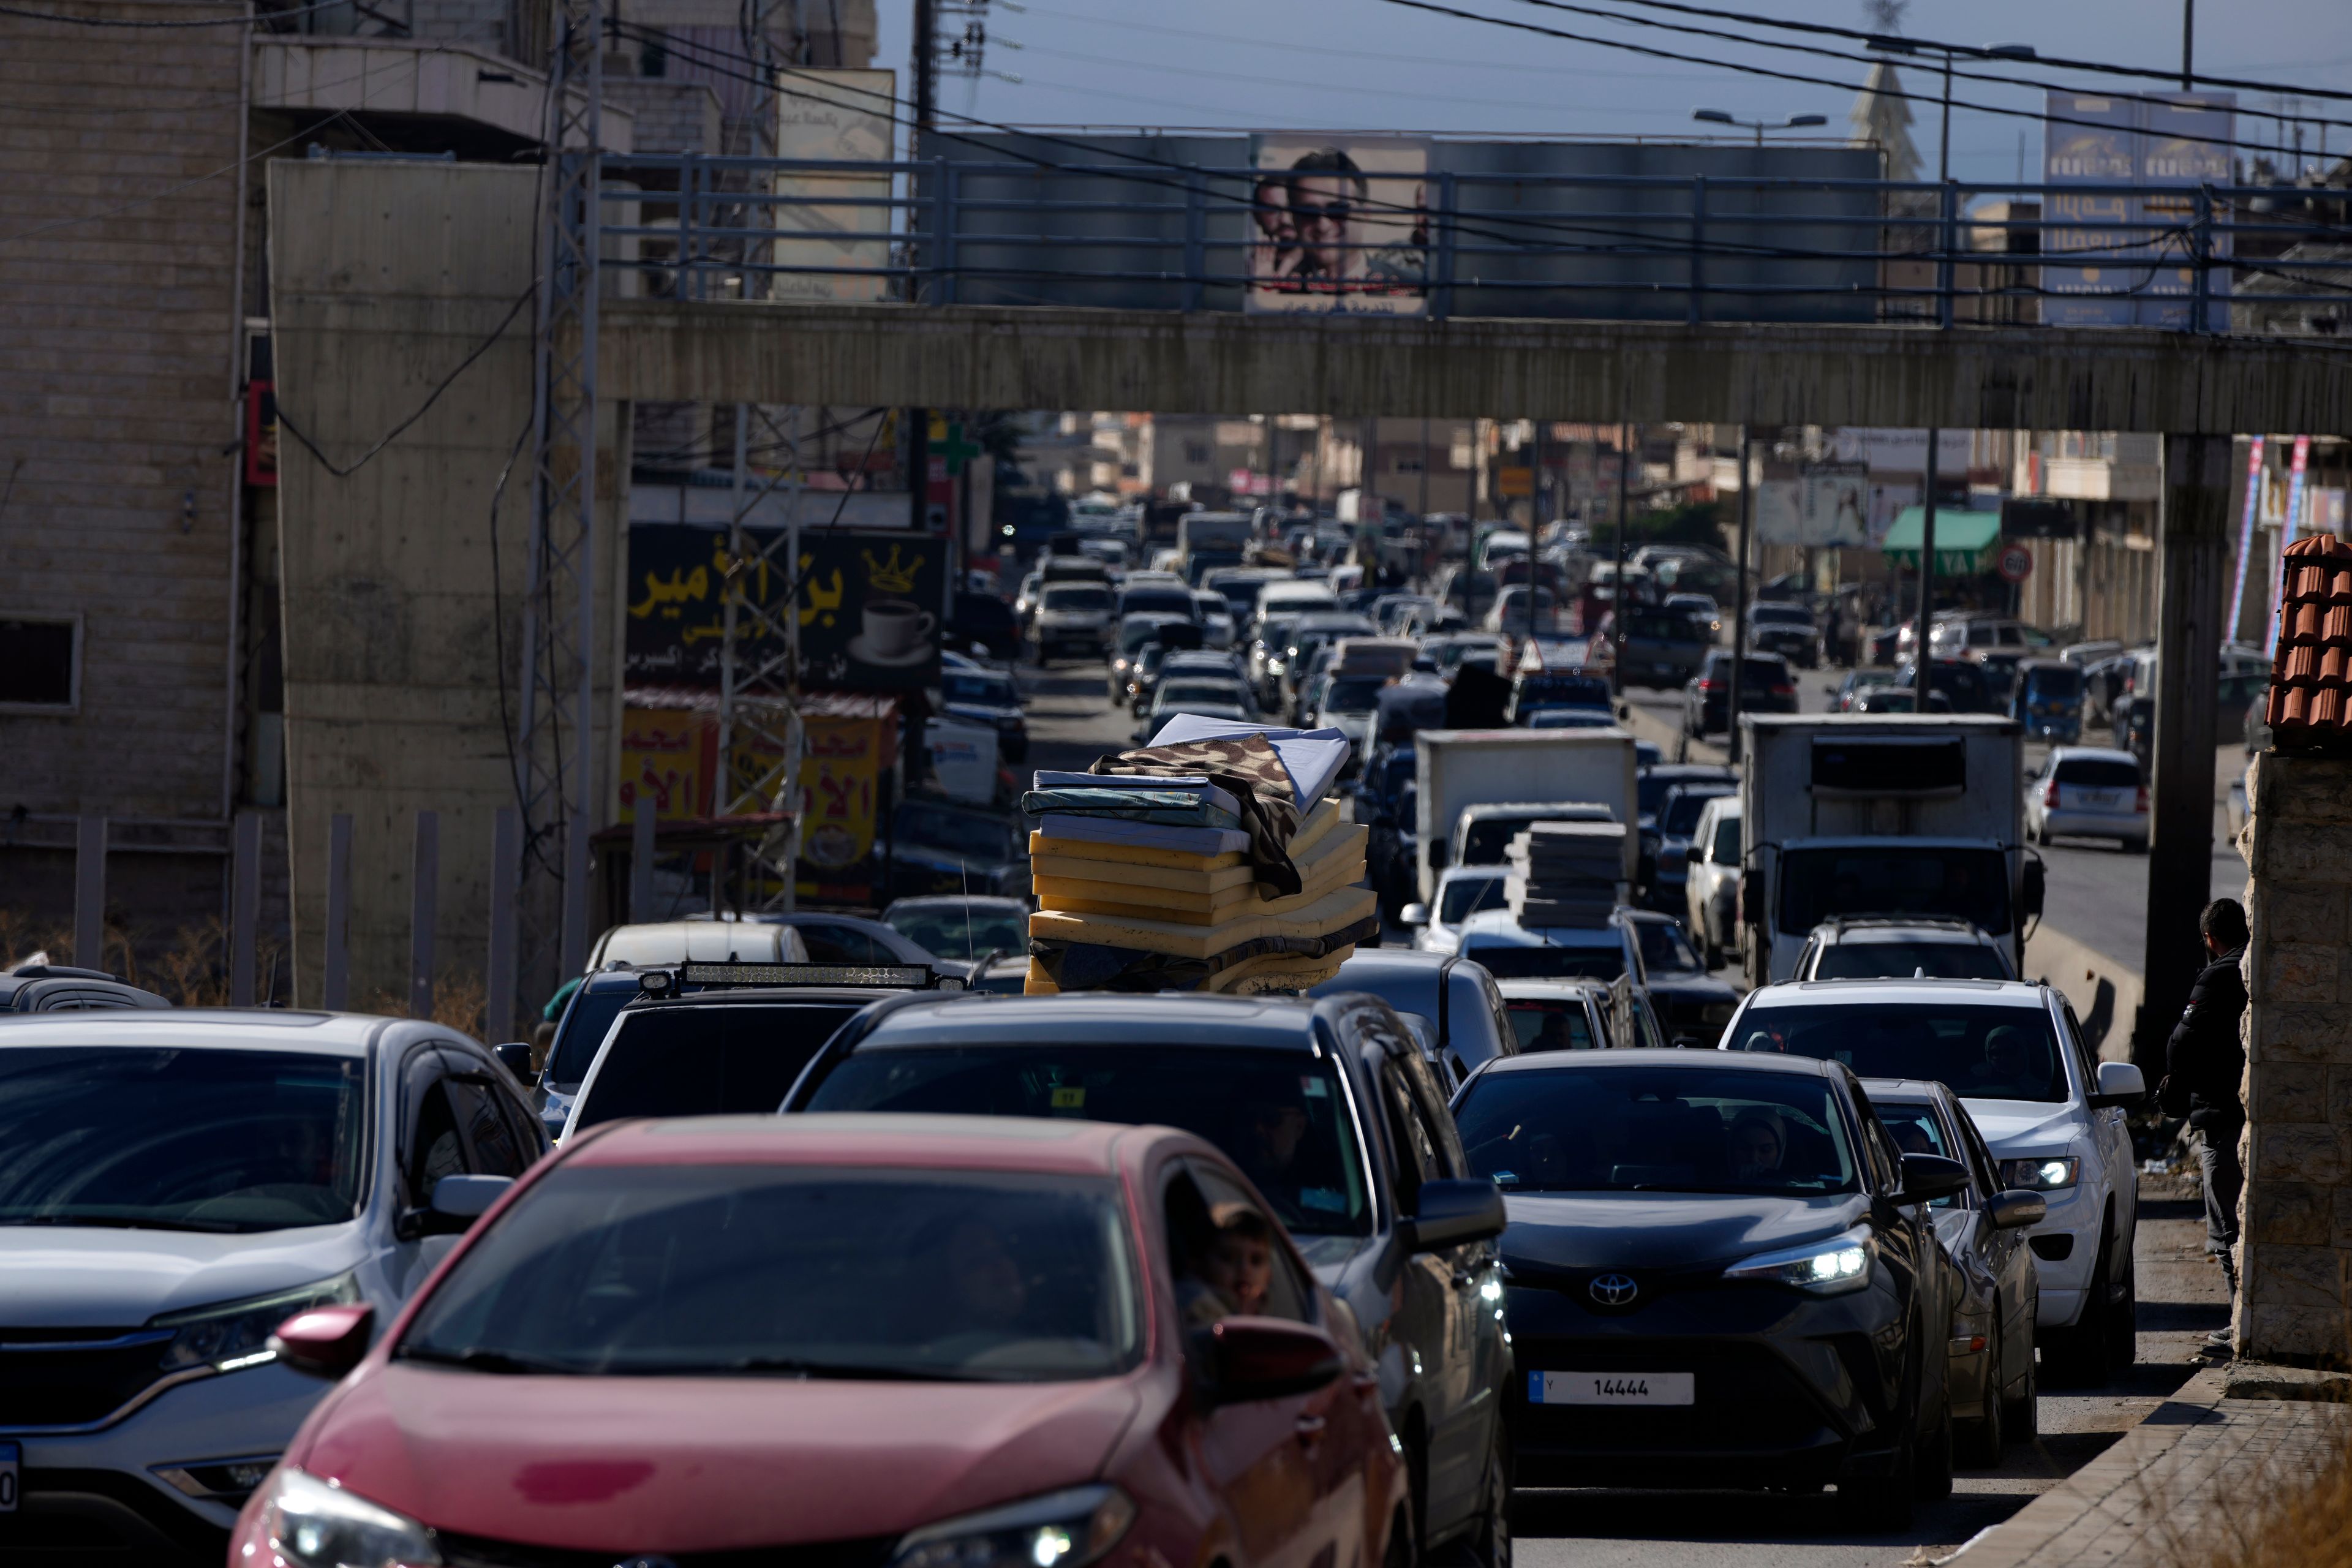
[
  {"x": 1907, "y": 949},
  {"x": 2052, "y": 1115}
]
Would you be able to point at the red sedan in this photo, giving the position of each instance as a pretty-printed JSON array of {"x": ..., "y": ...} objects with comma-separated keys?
[{"x": 898, "y": 1342}]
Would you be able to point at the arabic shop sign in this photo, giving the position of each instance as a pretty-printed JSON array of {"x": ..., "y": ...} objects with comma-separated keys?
[{"x": 868, "y": 607}]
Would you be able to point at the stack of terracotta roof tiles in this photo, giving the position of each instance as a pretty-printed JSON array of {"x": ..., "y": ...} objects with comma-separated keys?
[
  {"x": 1130, "y": 897},
  {"x": 2310, "y": 678}
]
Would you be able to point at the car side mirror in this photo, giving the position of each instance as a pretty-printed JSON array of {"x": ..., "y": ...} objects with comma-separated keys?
[
  {"x": 2029, "y": 894},
  {"x": 1266, "y": 1358},
  {"x": 1413, "y": 915},
  {"x": 2015, "y": 1209},
  {"x": 325, "y": 1341},
  {"x": 1455, "y": 1212},
  {"x": 1927, "y": 1177},
  {"x": 515, "y": 1057},
  {"x": 457, "y": 1202},
  {"x": 2119, "y": 1083}
]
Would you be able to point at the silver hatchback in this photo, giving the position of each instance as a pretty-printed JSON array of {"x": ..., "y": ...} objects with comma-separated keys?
[{"x": 2088, "y": 792}]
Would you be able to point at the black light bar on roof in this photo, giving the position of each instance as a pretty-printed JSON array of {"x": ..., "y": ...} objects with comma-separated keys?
[{"x": 891, "y": 976}]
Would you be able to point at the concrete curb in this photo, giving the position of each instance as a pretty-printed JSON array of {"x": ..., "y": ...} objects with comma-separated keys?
[
  {"x": 2076, "y": 970},
  {"x": 2109, "y": 1495}
]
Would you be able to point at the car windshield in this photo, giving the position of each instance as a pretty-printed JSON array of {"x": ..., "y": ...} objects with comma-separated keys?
[
  {"x": 751, "y": 1270},
  {"x": 1904, "y": 960},
  {"x": 1550, "y": 1023},
  {"x": 1655, "y": 1128},
  {"x": 987, "y": 690},
  {"x": 174, "y": 1137},
  {"x": 1077, "y": 596},
  {"x": 1177, "y": 694},
  {"x": 1779, "y": 615},
  {"x": 707, "y": 1060},
  {"x": 1282, "y": 1116},
  {"x": 963, "y": 930},
  {"x": 1666, "y": 950},
  {"x": 2053, "y": 685},
  {"x": 1681, "y": 812},
  {"x": 585, "y": 1023},
  {"x": 1353, "y": 694},
  {"x": 1175, "y": 601},
  {"x": 977, "y": 838},
  {"x": 1513, "y": 962},
  {"x": 1466, "y": 895},
  {"x": 1819, "y": 885},
  {"x": 1980, "y": 1052}
]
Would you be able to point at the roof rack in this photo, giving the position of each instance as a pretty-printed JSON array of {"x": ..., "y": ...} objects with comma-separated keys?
[
  {"x": 677, "y": 978},
  {"x": 1843, "y": 923}
]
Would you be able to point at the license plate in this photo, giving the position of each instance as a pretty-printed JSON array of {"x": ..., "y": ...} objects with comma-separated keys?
[
  {"x": 1611, "y": 1388},
  {"x": 2097, "y": 799},
  {"x": 12, "y": 1460}
]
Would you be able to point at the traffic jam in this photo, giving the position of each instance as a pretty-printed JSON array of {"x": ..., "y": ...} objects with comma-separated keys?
[{"x": 1380, "y": 1075}]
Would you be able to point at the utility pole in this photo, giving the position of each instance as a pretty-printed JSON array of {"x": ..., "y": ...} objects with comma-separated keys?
[
  {"x": 2187, "y": 45},
  {"x": 1921, "y": 661},
  {"x": 1739, "y": 665},
  {"x": 927, "y": 93},
  {"x": 1617, "y": 589}
]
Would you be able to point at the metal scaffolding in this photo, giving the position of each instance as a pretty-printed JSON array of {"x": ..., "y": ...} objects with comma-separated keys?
[
  {"x": 556, "y": 744},
  {"x": 759, "y": 718}
]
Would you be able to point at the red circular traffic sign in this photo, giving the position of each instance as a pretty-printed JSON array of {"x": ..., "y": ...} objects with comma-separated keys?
[{"x": 2016, "y": 564}]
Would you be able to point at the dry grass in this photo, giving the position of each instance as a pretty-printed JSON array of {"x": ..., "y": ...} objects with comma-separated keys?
[
  {"x": 2295, "y": 1511},
  {"x": 458, "y": 1001},
  {"x": 190, "y": 967}
]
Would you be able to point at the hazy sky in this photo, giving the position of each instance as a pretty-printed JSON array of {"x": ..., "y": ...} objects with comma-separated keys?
[{"x": 1371, "y": 65}]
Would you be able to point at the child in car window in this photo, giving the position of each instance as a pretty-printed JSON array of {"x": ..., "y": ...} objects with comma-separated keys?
[{"x": 1237, "y": 1269}]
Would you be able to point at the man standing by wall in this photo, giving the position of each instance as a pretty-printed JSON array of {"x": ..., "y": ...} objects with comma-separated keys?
[{"x": 2205, "y": 1061}]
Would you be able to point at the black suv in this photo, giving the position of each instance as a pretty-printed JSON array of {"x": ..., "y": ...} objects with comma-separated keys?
[
  {"x": 1328, "y": 1106},
  {"x": 1765, "y": 687}
]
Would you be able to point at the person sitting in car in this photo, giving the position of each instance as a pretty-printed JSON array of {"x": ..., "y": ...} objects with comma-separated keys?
[
  {"x": 2007, "y": 1070},
  {"x": 1759, "y": 1143}
]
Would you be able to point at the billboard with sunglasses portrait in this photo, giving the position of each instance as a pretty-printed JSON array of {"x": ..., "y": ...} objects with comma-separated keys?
[{"x": 1340, "y": 226}]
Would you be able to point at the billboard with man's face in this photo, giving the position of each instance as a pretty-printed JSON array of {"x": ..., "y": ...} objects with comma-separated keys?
[{"x": 1341, "y": 226}]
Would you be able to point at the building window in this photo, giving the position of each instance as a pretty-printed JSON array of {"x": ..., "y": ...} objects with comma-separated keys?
[{"x": 40, "y": 663}]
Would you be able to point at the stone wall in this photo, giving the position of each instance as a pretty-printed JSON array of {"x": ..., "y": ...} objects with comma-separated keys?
[{"x": 2297, "y": 1212}]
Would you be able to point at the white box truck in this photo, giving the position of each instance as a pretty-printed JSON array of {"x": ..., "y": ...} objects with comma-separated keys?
[
  {"x": 1457, "y": 769},
  {"x": 1894, "y": 816}
]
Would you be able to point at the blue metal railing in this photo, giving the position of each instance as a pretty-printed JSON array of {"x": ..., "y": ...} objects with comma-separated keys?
[{"x": 1700, "y": 249}]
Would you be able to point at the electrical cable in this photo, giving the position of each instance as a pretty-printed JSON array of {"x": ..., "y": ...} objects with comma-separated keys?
[
  {"x": 237, "y": 21},
  {"x": 346, "y": 472}
]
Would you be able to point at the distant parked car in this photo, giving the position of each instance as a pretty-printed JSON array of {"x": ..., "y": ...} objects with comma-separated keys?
[{"x": 2088, "y": 792}]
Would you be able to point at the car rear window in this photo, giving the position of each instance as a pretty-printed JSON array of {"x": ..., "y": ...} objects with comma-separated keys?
[
  {"x": 2098, "y": 772},
  {"x": 1533, "y": 963},
  {"x": 1282, "y": 1116},
  {"x": 1904, "y": 960},
  {"x": 1550, "y": 1023},
  {"x": 767, "y": 1270},
  {"x": 707, "y": 1060},
  {"x": 1980, "y": 1052}
]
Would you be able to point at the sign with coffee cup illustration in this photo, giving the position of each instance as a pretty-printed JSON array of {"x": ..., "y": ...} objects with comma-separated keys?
[{"x": 868, "y": 604}]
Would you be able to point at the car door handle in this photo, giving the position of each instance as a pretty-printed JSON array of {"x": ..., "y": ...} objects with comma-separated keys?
[{"x": 1310, "y": 1427}]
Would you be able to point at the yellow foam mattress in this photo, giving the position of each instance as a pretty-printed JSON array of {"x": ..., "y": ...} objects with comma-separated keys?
[
  {"x": 1086, "y": 860},
  {"x": 1335, "y": 862},
  {"x": 1278, "y": 972},
  {"x": 1331, "y": 913}
]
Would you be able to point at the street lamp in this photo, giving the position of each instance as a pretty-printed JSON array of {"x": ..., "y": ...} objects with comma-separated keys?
[{"x": 1794, "y": 121}]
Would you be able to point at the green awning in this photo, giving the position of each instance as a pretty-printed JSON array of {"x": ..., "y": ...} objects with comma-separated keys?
[{"x": 1964, "y": 541}]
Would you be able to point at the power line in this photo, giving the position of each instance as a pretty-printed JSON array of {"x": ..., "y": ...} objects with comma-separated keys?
[
  {"x": 241, "y": 19},
  {"x": 344, "y": 471},
  {"x": 2041, "y": 116}
]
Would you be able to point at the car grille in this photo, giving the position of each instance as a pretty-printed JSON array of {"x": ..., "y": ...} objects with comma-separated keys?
[
  {"x": 479, "y": 1551},
  {"x": 71, "y": 1377}
]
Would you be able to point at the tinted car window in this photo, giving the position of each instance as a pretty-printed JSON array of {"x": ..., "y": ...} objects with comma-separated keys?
[
  {"x": 1550, "y": 1024},
  {"x": 1903, "y": 959},
  {"x": 1613, "y": 1128},
  {"x": 845, "y": 944},
  {"x": 705, "y": 1061},
  {"x": 2098, "y": 772},
  {"x": 496, "y": 1151},
  {"x": 965, "y": 931},
  {"x": 1681, "y": 813},
  {"x": 1915, "y": 1131},
  {"x": 1665, "y": 948},
  {"x": 749, "y": 1270},
  {"x": 1980, "y": 1052},
  {"x": 1657, "y": 627},
  {"x": 1077, "y": 598},
  {"x": 1281, "y": 1116},
  {"x": 179, "y": 1139},
  {"x": 1727, "y": 842}
]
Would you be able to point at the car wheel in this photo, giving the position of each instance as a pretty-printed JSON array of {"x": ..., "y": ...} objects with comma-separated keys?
[
  {"x": 1934, "y": 1466},
  {"x": 1490, "y": 1544},
  {"x": 2081, "y": 1355},
  {"x": 1980, "y": 1440},
  {"x": 2022, "y": 1416},
  {"x": 1404, "y": 1543},
  {"x": 2135, "y": 846}
]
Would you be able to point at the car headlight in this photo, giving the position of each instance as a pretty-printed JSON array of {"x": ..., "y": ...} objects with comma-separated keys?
[
  {"x": 317, "y": 1524},
  {"x": 1830, "y": 1267},
  {"x": 2042, "y": 1174},
  {"x": 1062, "y": 1530},
  {"x": 232, "y": 1334}
]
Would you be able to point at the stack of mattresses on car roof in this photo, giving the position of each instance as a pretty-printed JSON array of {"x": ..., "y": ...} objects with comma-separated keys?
[
  {"x": 1566, "y": 873},
  {"x": 1212, "y": 859}
]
